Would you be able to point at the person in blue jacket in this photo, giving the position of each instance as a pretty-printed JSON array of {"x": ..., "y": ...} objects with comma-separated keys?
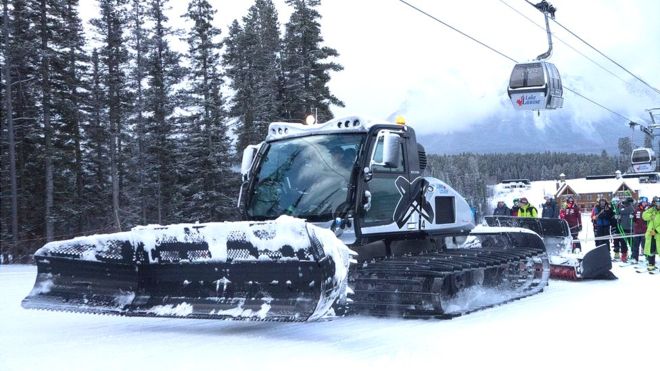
[
  {"x": 550, "y": 208},
  {"x": 502, "y": 209},
  {"x": 602, "y": 216}
]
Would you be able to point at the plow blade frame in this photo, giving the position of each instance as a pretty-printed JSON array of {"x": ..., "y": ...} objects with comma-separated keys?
[{"x": 595, "y": 264}]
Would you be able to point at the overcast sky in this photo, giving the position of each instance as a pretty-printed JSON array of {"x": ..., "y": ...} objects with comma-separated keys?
[{"x": 397, "y": 60}]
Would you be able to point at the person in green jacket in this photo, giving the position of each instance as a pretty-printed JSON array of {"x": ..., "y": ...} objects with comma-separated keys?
[
  {"x": 526, "y": 210},
  {"x": 652, "y": 217}
]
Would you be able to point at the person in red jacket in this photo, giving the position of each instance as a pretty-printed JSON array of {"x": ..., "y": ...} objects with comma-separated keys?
[
  {"x": 639, "y": 229},
  {"x": 571, "y": 213},
  {"x": 515, "y": 207}
]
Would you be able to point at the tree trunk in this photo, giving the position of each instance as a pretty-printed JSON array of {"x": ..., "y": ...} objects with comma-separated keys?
[
  {"x": 45, "y": 88},
  {"x": 78, "y": 168},
  {"x": 10, "y": 132},
  {"x": 140, "y": 107},
  {"x": 114, "y": 120}
]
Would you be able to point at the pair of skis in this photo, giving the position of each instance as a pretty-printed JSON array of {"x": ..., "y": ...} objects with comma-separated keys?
[
  {"x": 639, "y": 268},
  {"x": 644, "y": 269}
]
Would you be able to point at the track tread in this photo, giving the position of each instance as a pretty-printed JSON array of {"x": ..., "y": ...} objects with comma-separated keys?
[{"x": 407, "y": 286}]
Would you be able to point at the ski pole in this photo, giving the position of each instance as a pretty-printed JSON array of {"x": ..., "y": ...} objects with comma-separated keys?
[
  {"x": 631, "y": 226},
  {"x": 604, "y": 238}
]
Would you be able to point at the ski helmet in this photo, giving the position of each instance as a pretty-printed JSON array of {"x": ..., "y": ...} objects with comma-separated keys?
[
  {"x": 570, "y": 199},
  {"x": 643, "y": 199}
]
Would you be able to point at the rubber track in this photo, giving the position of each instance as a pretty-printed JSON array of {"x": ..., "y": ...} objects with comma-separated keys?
[{"x": 419, "y": 286}]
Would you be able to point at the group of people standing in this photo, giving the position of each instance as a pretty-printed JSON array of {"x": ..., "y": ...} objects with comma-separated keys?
[
  {"x": 521, "y": 207},
  {"x": 569, "y": 212},
  {"x": 628, "y": 223}
]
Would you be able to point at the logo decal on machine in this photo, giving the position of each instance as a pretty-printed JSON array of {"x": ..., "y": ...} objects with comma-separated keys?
[{"x": 412, "y": 201}]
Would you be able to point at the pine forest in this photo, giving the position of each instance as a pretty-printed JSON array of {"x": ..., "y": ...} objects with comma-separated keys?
[{"x": 108, "y": 125}]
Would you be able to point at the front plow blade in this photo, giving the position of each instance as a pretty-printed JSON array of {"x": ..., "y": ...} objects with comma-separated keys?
[
  {"x": 597, "y": 263},
  {"x": 284, "y": 270}
]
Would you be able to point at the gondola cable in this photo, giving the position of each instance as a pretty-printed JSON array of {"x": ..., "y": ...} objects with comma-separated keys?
[
  {"x": 564, "y": 42},
  {"x": 459, "y": 31},
  {"x": 504, "y": 55},
  {"x": 599, "y": 52}
]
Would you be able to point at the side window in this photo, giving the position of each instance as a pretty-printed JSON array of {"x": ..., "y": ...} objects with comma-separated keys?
[
  {"x": 384, "y": 198},
  {"x": 385, "y": 195},
  {"x": 556, "y": 79},
  {"x": 378, "y": 157},
  {"x": 517, "y": 77}
]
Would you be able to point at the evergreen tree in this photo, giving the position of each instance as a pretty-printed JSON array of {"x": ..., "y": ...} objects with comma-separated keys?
[
  {"x": 24, "y": 73},
  {"x": 68, "y": 138},
  {"x": 54, "y": 161},
  {"x": 40, "y": 98},
  {"x": 237, "y": 67},
  {"x": 138, "y": 41},
  {"x": 46, "y": 57},
  {"x": 114, "y": 58},
  {"x": 163, "y": 73},
  {"x": 262, "y": 20},
  {"x": 207, "y": 181},
  {"x": 305, "y": 66},
  {"x": 97, "y": 190},
  {"x": 8, "y": 210},
  {"x": 252, "y": 64}
]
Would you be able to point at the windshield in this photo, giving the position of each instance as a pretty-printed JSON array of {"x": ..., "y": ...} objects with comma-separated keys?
[
  {"x": 640, "y": 156},
  {"x": 527, "y": 75},
  {"x": 305, "y": 177}
]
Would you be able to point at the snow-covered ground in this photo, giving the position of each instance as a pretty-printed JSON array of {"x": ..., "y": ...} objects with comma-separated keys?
[{"x": 591, "y": 325}]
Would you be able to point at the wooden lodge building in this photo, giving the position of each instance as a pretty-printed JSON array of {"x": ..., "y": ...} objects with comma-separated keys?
[{"x": 587, "y": 191}]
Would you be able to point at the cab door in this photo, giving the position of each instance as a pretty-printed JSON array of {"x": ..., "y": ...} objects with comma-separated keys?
[{"x": 384, "y": 189}]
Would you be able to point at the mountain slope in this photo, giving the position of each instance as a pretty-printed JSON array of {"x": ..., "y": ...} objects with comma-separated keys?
[{"x": 526, "y": 133}]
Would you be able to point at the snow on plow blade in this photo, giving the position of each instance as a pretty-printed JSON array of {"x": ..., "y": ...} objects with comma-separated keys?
[
  {"x": 564, "y": 264},
  {"x": 282, "y": 270}
]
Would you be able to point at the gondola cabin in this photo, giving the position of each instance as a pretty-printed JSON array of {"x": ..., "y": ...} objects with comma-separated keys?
[
  {"x": 535, "y": 86},
  {"x": 643, "y": 160}
]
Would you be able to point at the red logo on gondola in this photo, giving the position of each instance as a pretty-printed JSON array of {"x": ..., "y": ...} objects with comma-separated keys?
[{"x": 527, "y": 100}]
